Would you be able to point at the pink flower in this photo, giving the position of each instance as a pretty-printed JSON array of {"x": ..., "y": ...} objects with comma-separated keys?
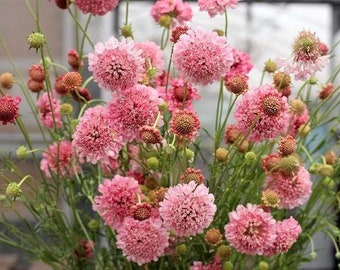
[
  {"x": 263, "y": 112},
  {"x": 215, "y": 264},
  {"x": 58, "y": 159},
  {"x": 202, "y": 57},
  {"x": 293, "y": 191},
  {"x": 179, "y": 95},
  {"x": 298, "y": 120},
  {"x": 135, "y": 107},
  {"x": 179, "y": 12},
  {"x": 142, "y": 241},
  {"x": 96, "y": 138},
  {"x": 9, "y": 108},
  {"x": 185, "y": 124},
  {"x": 250, "y": 230},
  {"x": 96, "y": 7},
  {"x": 307, "y": 57},
  {"x": 49, "y": 110},
  {"x": 117, "y": 197},
  {"x": 214, "y": 7},
  {"x": 242, "y": 64},
  {"x": 187, "y": 209},
  {"x": 152, "y": 55},
  {"x": 287, "y": 232},
  {"x": 116, "y": 65}
]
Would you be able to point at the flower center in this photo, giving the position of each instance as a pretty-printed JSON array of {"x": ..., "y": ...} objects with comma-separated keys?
[{"x": 271, "y": 105}]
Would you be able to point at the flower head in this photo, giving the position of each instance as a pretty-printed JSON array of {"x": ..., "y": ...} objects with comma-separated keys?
[
  {"x": 116, "y": 199},
  {"x": 49, "y": 110},
  {"x": 175, "y": 10},
  {"x": 152, "y": 55},
  {"x": 116, "y": 65},
  {"x": 307, "y": 58},
  {"x": 292, "y": 190},
  {"x": 9, "y": 108},
  {"x": 142, "y": 241},
  {"x": 98, "y": 7},
  {"x": 185, "y": 124},
  {"x": 192, "y": 174},
  {"x": 187, "y": 209},
  {"x": 214, "y": 7},
  {"x": 58, "y": 159},
  {"x": 202, "y": 57},
  {"x": 37, "y": 73},
  {"x": 263, "y": 110},
  {"x": 287, "y": 232},
  {"x": 241, "y": 65},
  {"x": 179, "y": 95},
  {"x": 96, "y": 138},
  {"x": 135, "y": 107},
  {"x": 250, "y": 230}
]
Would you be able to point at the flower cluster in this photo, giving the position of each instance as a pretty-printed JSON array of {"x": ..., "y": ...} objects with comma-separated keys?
[{"x": 135, "y": 180}]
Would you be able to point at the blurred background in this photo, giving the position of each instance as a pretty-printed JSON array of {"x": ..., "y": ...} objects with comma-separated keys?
[{"x": 264, "y": 29}]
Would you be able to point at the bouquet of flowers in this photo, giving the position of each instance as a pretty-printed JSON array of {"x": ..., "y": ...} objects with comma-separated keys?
[{"x": 134, "y": 181}]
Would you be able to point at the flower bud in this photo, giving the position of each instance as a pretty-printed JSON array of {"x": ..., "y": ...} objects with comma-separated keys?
[
  {"x": 36, "y": 40},
  {"x": 222, "y": 154},
  {"x": 6, "y": 80},
  {"x": 152, "y": 163},
  {"x": 22, "y": 152},
  {"x": 289, "y": 165},
  {"x": 13, "y": 190},
  {"x": 35, "y": 86},
  {"x": 313, "y": 255},
  {"x": 66, "y": 109},
  {"x": 126, "y": 31},
  {"x": 263, "y": 265},
  {"x": 163, "y": 107},
  {"x": 224, "y": 252},
  {"x": 270, "y": 66},
  {"x": 270, "y": 198},
  {"x": 281, "y": 79},
  {"x": 326, "y": 170},
  {"x": 165, "y": 21},
  {"x": 170, "y": 149},
  {"x": 213, "y": 237},
  {"x": 228, "y": 265},
  {"x": 298, "y": 106},
  {"x": 287, "y": 146},
  {"x": 313, "y": 80},
  {"x": 330, "y": 157},
  {"x": 189, "y": 155},
  {"x": 181, "y": 249},
  {"x": 328, "y": 182},
  {"x": 36, "y": 72},
  {"x": 93, "y": 225},
  {"x": 250, "y": 157},
  {"x": 326, "y": 91}
]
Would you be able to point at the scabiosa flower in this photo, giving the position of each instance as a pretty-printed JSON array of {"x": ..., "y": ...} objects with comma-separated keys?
[
  {"x": 287, "y": 232},
  {"x": 49, "y": 110},
  {"x": 135, "y": 107},
  {"x": 72, "y": 80},
  {"x": 96, "y": 7},
  {"x": 292, "y": 190},
  {"x": 326, "y": 91},
  {"x": 9, "y": 109},
  {"x": 179, "y": 95},
  {"x": 192, "y": 174},
  {"x": 142, "y": 241},
  {"x": 298, "y": 120},
  {"x": 263, "y": 112},
  {"x": 237, "y": 84},
  {"x": 185, "y": 124},
  {"x": 58, "y": 159},
  {"x": 177, "y": 32},
  {"x": 96, "y": 138},
  {"x": 214, "y": 7},
  {"x": 187, "y": 209},
  {"x": 117, "y": 197},
  {"x": 152, "y": 55},
  {"x": 202, "y": 57},
  {"x": 241, "y": 65},
  {"x": 149, "y": 134},
  {"x": 116, "y": 65},
  {"x": 176, "y": 10},
  {"x": 287, "y": 146},
  {"x": 307, "y": 58},
  {"x": 250, "y": 229}
]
